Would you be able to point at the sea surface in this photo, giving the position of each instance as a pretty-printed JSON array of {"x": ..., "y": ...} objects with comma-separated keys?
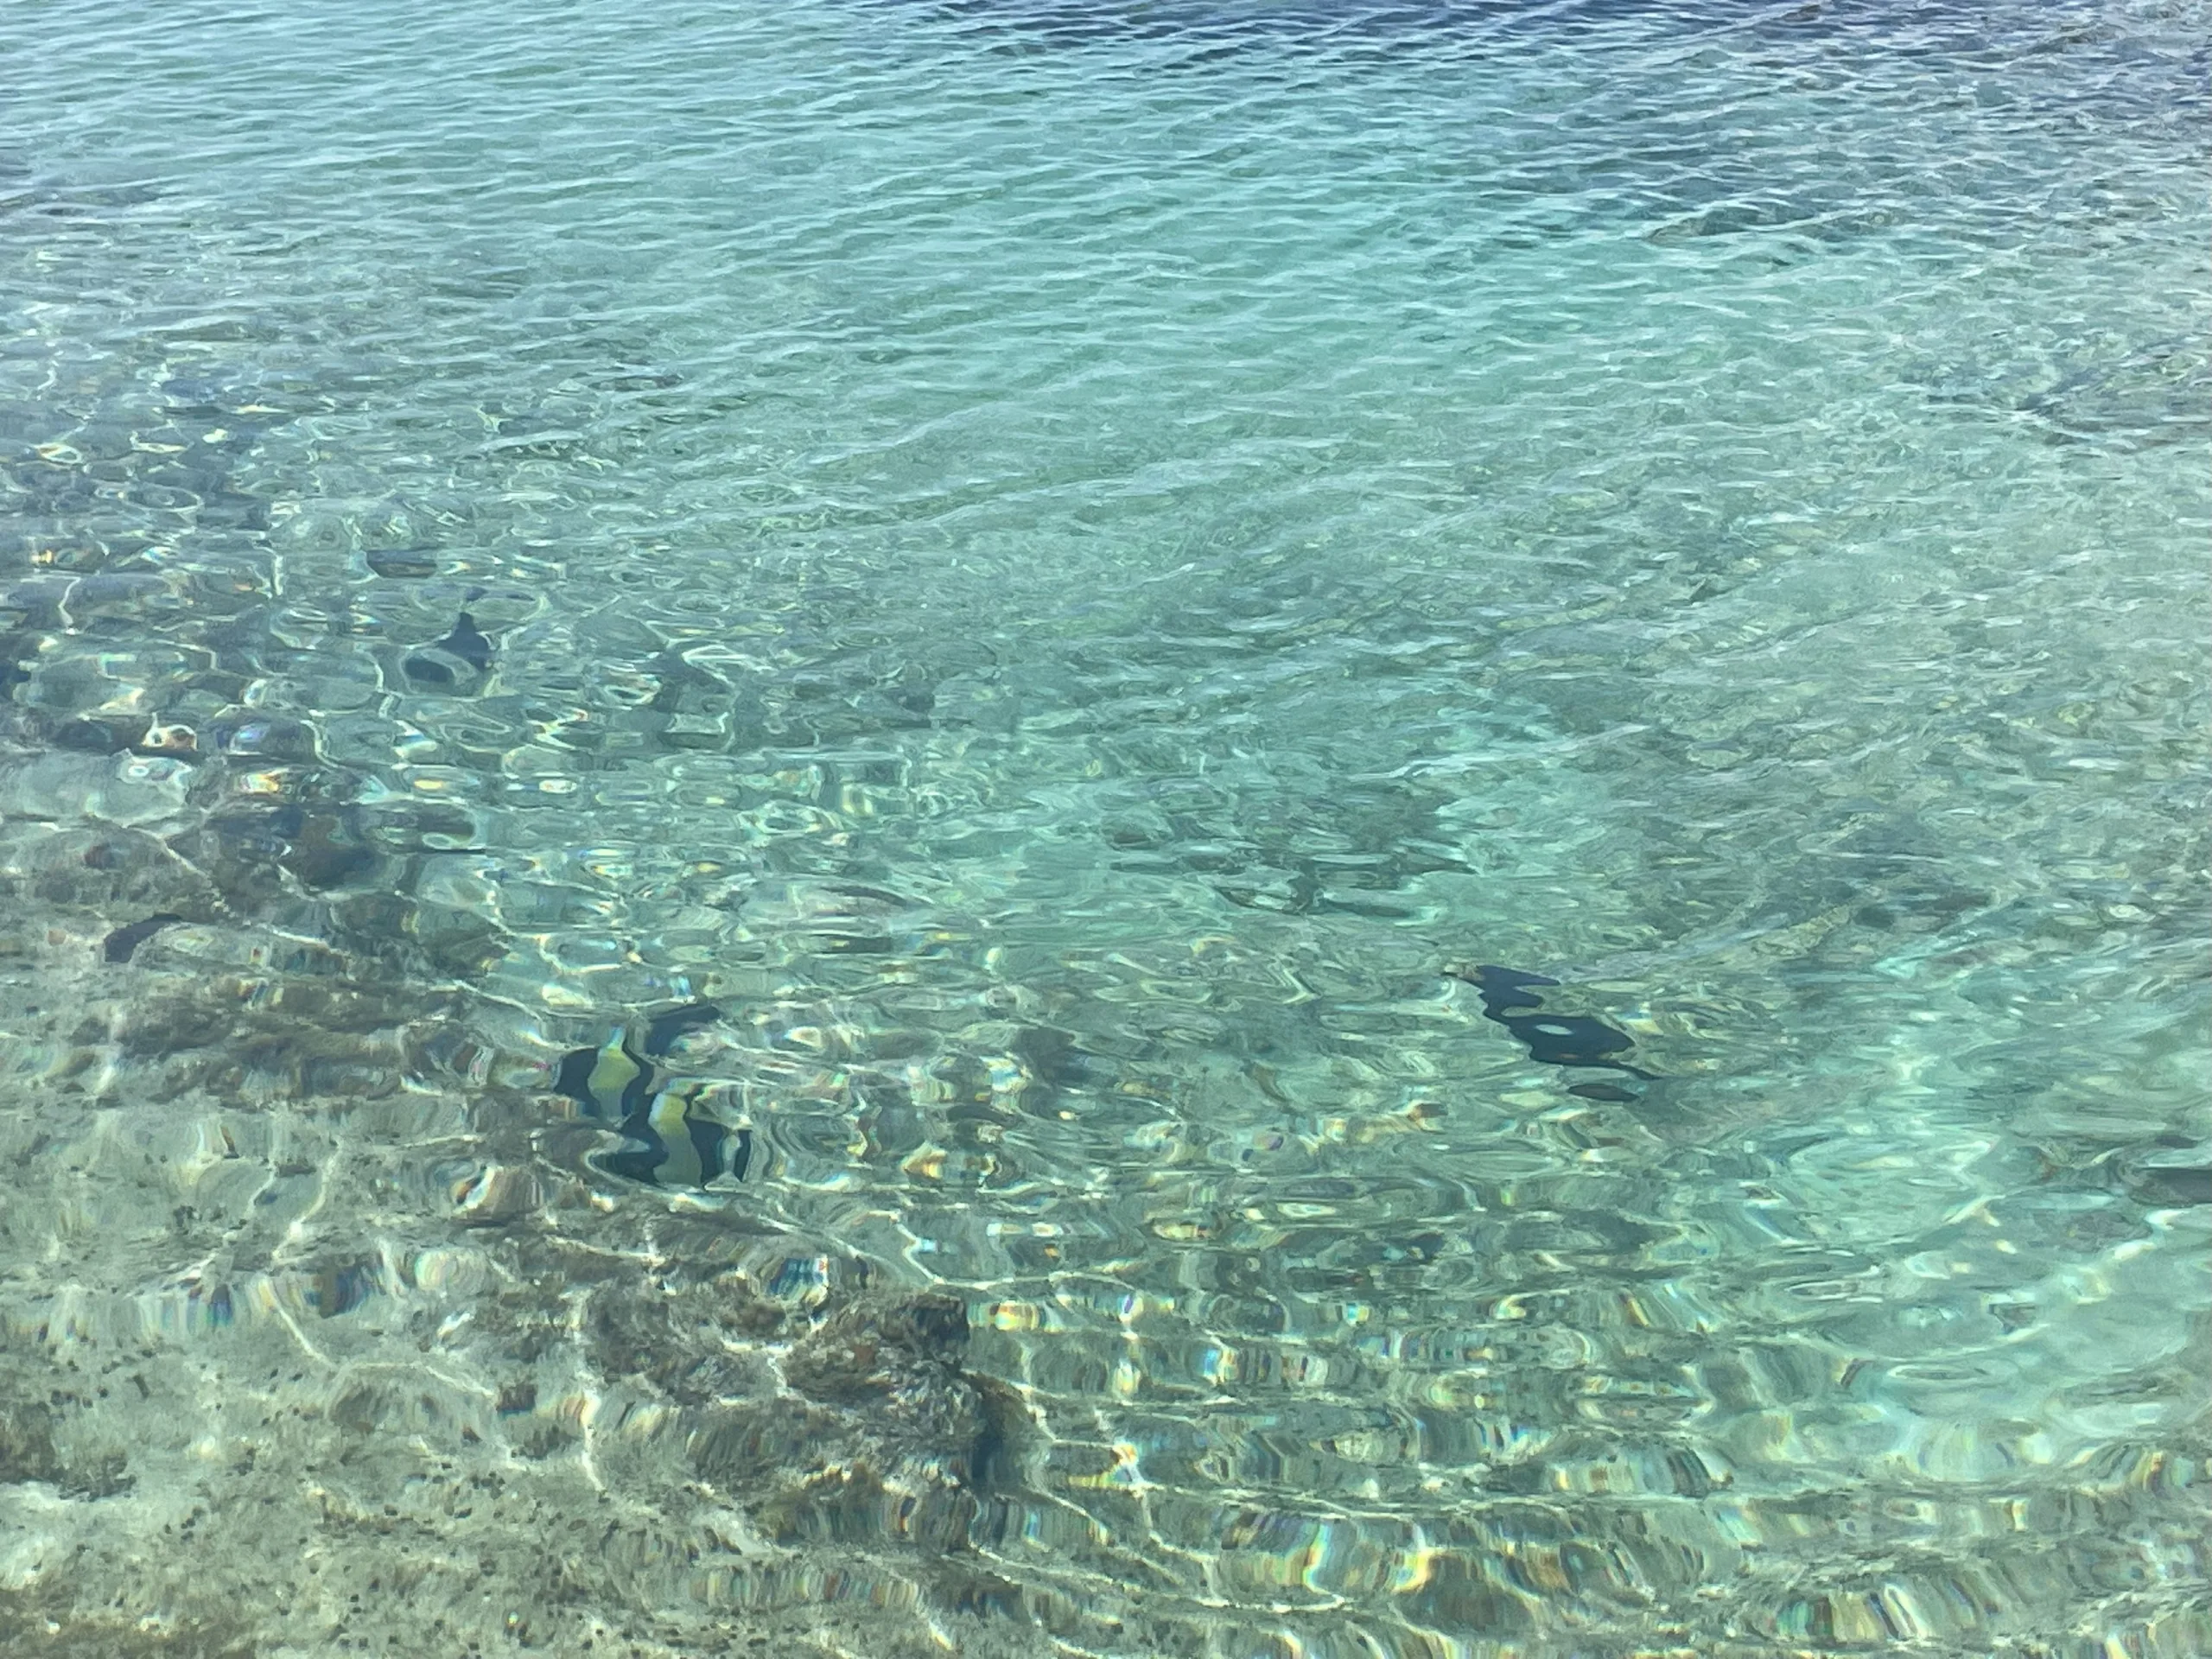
[{"x": 1251, "y": 829}]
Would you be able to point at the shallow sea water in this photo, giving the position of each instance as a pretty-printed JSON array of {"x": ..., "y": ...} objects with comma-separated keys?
[{"x": 1061, "y": 565}]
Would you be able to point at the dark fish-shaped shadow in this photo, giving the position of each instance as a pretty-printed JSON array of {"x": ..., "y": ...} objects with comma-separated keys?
[
  {"x": 1509, "y": 998},
  {"x": 464, "y": 644}
]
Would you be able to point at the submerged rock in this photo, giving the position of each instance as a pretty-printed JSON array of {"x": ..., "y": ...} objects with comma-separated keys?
[
  {"x": 690, "y": 1345},
  {"x": 104, "y": 734},
  {"x": 30, "y": 1452},
  {"x": 873, "y": 1351},
  {"x": 27, "y": 1450},
  {"x": 120, "y": 944},
  {"x": 884, "y": 1438},
  {"x": 898, "y": 1361},
  {"x": 321, "y": 845}
]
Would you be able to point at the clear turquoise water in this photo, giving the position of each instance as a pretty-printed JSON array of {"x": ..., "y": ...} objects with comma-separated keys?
[{"x": 1061, "y": 565}]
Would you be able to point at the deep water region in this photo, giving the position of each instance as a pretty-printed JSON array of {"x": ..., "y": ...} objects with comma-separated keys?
[{"x": 1168, "y": 828}]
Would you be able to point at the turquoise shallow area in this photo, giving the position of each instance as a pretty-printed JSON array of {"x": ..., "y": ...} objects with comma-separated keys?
[{"x": 1061, "y": 565}]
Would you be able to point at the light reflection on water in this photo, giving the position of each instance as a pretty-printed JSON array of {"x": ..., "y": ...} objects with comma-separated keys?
[{"x": 1066, "y": 579}]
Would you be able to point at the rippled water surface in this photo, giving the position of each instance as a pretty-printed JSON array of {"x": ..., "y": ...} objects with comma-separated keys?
[{"x": 1435, "y": 773}]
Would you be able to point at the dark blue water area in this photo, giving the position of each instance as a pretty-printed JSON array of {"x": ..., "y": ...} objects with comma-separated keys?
[
  {"x": 1627, "y": 153},
  {"x": 1955, "y": 28}
]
